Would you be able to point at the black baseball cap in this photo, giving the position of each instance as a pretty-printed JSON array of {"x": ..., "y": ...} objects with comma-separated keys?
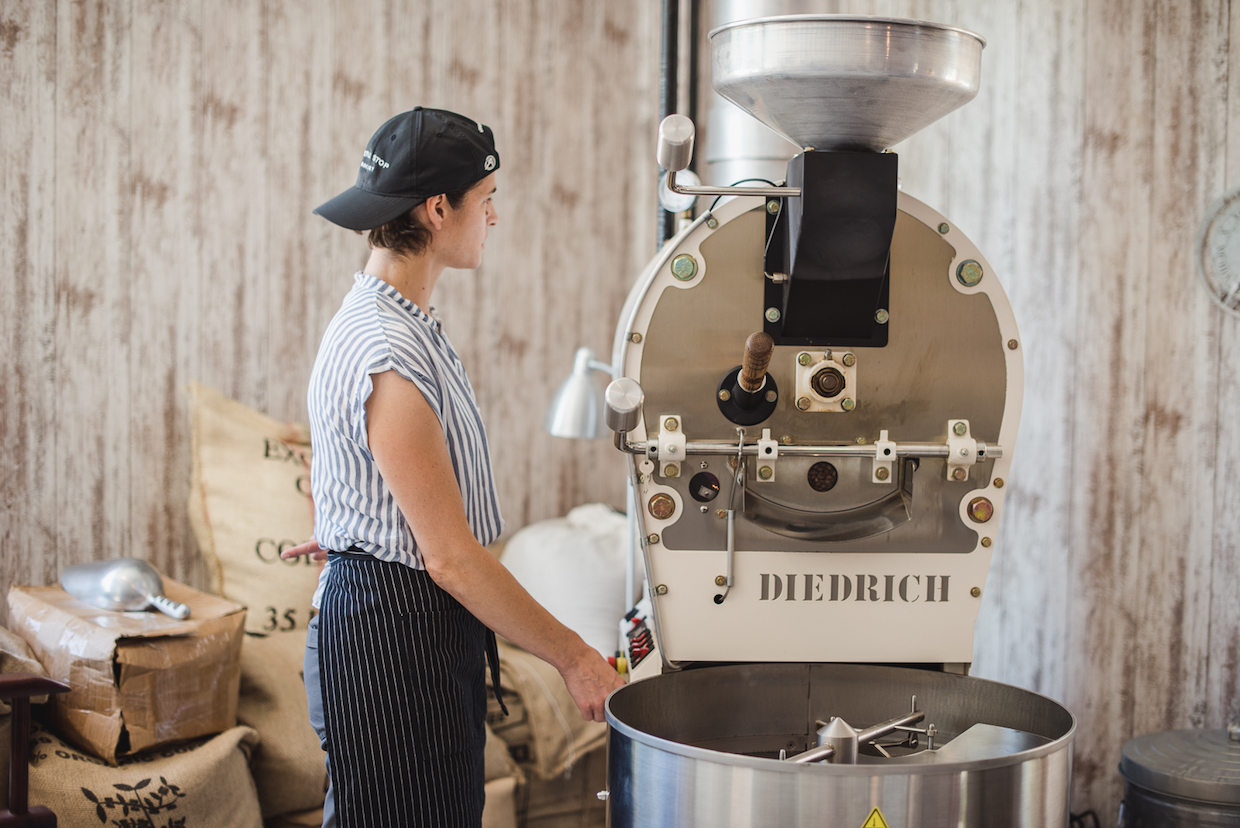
[{"x": 416, "y": 155}]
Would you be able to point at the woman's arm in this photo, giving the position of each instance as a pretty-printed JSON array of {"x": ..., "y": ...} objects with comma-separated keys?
[{"x": 407, "y": 442}]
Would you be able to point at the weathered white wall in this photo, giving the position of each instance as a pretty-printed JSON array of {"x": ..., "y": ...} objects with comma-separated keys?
[{"x": 160, "y": 161}]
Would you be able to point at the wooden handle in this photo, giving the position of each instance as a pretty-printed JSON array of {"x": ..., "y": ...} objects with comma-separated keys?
[{"x": 758, "y": 349}]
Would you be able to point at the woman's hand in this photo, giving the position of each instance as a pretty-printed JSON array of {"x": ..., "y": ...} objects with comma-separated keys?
[
  {"x": 590, "y": 679},
  {"x": 310, "y": 547}
]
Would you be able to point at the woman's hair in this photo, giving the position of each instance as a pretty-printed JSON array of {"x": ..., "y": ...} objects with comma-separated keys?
[{"x": 406, "y": 236}]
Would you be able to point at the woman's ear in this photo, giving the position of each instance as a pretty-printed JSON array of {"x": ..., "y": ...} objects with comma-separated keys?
[{"x": 436, "y": 211}]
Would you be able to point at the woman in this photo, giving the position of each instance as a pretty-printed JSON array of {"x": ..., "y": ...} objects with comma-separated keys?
[{"x": 405, "y": 500}]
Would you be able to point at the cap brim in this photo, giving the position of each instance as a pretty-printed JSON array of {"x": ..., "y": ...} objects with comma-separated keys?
[{"x": 358, "y": 209}]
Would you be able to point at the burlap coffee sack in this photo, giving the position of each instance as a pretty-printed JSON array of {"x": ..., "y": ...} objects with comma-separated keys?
[
  {"x": 500, "y": 810},
  {"x": 288, "y": 763},
  {"x": 499, "y": 762},
  {"x": 200, "y": 784},
  {"x": 300, "y": 819},
  {"x": 570, "y": 800},
  {"x": 544, "y": 731},
  {"x": 249, "y": 499}
]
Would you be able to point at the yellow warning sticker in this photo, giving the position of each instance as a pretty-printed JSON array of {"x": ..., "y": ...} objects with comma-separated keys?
[{"x": 875, "y": 820}]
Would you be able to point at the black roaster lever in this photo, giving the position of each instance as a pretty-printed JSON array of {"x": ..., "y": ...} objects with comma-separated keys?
[{"x": 748, "y": 394}]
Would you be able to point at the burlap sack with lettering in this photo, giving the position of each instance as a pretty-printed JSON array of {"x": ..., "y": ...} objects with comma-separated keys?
[
  {"x": 250, "y": 498},
  {"x": 544, "y": 731},
  {"x": 200, "y": 784}
]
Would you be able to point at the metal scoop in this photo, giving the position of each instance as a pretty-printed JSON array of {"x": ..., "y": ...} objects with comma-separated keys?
[{"x": 123, "y": 585}]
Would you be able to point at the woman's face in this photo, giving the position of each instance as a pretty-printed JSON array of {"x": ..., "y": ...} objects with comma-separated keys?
[{"x": 464, "y": 231}]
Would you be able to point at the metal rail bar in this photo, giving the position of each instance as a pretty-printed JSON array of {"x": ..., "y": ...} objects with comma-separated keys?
[{"x": 985, "y": 451}]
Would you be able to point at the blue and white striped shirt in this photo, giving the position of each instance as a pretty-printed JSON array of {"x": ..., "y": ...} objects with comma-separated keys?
[{"x": 377, "y": 330}]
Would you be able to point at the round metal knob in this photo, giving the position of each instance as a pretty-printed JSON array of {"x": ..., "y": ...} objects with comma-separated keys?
[
  {"x": 675, "y": 148},
  {"x": 622, "y": 403}
]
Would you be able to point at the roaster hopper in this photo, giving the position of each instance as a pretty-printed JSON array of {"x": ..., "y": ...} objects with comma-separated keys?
[{"x": 819, "y": 387}]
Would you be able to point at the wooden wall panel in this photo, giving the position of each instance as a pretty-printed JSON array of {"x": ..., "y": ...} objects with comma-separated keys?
[
  {"x": 1108, "y": 420},
  {"x": 93, "y": 333},
  {"x": 1176, "y": 519},
  {"x": 28, "y": 390},
  {"x": 1224, "y": 663},
  {"x": 301, "y": 289},
  {"x": 234, "y": 200},
  {"x": 164, "y": 280}
]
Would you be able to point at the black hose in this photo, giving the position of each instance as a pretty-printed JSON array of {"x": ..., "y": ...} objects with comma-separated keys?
[{"x": 669, "y": 84}]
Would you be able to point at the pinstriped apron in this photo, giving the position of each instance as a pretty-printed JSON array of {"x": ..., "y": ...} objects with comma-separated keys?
[{"x": 404, "y": 697}]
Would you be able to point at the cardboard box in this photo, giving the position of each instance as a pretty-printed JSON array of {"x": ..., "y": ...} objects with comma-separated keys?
[{"x": 139, "y": 679}]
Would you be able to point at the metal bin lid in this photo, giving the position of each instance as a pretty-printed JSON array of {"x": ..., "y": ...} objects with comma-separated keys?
[{"x": 1192, "y": 764}]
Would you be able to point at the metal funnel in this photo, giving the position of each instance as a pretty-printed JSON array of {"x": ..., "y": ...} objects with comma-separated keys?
[{"x": 835, "y": 82}]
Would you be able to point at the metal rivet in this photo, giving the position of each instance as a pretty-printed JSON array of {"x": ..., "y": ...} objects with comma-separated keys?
[
  {"x": 943, "y": 228},
  {"x": 712, "y": 222},
  {"x": 720, "y": 580},
  {"x": 882, "y": 473},
  {"x": 803, "y": 358},
  {"x": 786, "y": 439},
  {"x": 720, "y": 513},
  {"x": 772, "y": 206},
  {"x": 861, "y": 441},
  {"x": 849, "y": 360},
  {"x": 960, "y": 429},
  {"x": 976, "y": 592},
  {"x": 772, "y": 314},
  {"x": 672, "y": 470},
  {"x": 671, "y": 424},
  {"x": 635, "y": 337},
  {"x": 704, "y": 465},
  {"x": 771, "y": 396},
  {"x": 725, "y": 394},
  {"x": 803, "y": 403},
  {"x": 848, "y": 404},
  {"x": 765, "y": 472},
  {"x": 1011, "y": 344},
  {"x": 998, "y": 482},
  {"x": 881, "y": 316},
  {"x": 652, "y": 539},
  {"x": 969, "y": 273},
  {"x": 981, "y": 510},
  {"x": 684, "y": 267},
  {"x": 661, "y": 506},
  {"x": 987, "y": 542},
  {"x": 661, "y": 589}
]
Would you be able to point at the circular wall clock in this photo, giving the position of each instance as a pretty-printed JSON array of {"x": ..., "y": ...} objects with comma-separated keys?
[{"x": 1218, "y": 252}]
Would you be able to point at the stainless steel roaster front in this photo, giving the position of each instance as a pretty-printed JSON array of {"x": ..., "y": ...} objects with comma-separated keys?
[{"x": 828, "y": 507}]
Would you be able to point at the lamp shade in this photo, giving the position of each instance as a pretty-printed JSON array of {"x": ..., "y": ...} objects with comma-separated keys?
[{"x": 575, "y": 410}]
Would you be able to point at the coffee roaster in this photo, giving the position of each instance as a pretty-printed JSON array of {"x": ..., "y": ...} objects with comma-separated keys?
[{"x": 818, "y": 388}]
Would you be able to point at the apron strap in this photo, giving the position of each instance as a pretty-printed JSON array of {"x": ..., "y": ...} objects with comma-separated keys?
[{"x": 493, "y": 661}]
